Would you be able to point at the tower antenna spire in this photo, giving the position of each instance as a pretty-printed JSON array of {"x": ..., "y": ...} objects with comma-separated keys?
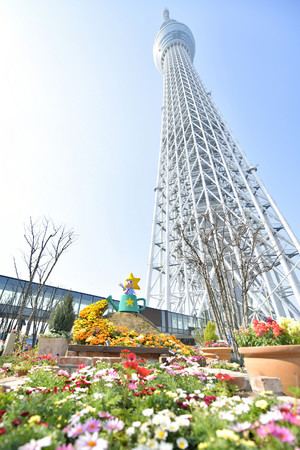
[{"x": 166, "y": 14}]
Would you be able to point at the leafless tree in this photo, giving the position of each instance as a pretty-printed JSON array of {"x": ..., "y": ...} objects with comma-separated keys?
[
  {"x": 228, "y": 254},
  {"x": 46, "y": 243}
]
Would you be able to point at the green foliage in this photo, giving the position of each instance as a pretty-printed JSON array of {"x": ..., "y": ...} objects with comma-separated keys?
[
  {"x": 63, "y": 316},
  {"x": 210, "y": 332},
  {"x": 198, "y": 335}
]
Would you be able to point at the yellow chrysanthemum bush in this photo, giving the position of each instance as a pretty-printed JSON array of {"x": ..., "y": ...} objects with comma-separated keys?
[{"x": 91, "y": 328}]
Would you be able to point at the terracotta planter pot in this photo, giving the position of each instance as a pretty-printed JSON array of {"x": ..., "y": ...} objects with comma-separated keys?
[
  {"x": 56, "y": 346},
  {"x": 282, "y": 361},
  {"x": 221, "y": 353},
  {"x": 22, "y": 373}
]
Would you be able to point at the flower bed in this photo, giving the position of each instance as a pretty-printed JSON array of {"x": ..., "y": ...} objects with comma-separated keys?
[
  {"x": 133, "y": 406},
  {"x": 91, "y": 328}
]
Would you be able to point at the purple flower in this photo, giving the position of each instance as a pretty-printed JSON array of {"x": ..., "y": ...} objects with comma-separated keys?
[
  {"x": 16, "y": 422},
  {"x": 283, "y": 434},
  {"x": 92, "y": 425},
  {"x": 76, "y": 430},
  {"x": 113, "y": 425}
]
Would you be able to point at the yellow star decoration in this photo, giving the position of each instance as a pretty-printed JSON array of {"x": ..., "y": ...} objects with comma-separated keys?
[
  {"x": 129, "y": 302},
  {"x": 135, "y": 281}
]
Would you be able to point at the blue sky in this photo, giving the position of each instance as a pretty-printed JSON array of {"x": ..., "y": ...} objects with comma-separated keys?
[{"x": 80, "y": 117}]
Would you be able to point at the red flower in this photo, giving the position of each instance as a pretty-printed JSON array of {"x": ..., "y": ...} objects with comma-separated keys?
[
  {"x": 2, "y": 430},
  {"x": 81, "y": 366},
  {"x": 16, "y": 422},
  {"x": 25, "y": 413},
  {"x": 43, "y": 423},
  {"x": 2, "y": 413},
  {"x": 131, "y": 357},
  {"x": 143, "y": 371},
  {"x": 209, "y": 399},
  {"x": 130, "y": 365}
]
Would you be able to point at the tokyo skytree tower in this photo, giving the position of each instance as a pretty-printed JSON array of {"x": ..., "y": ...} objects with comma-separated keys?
[{"x": 202, "y": 170}]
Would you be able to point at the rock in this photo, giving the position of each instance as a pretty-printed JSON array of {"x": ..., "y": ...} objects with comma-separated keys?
[{"x": 133, "y": 321}]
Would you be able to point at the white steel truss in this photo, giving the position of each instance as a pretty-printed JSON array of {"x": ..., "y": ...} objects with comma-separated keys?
[{"x": 201, "y": 169}]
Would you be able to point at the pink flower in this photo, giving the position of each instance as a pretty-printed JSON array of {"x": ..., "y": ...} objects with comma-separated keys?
[
  {"x": 132, "y": 385},
  {"x": 283, "y": 434},
  {"x": 292, "y": 418},
  {"x": 113, "y": 424},
  {"x": 65, "y": 447},
  {"x": 105, "y": 415},
  {"x": 264, "y": 430},
  {"x": 92, "y": 425},
  {"x": 76, "y": 430}
]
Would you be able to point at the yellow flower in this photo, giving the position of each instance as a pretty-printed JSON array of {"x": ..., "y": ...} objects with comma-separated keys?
[
  {"x": 262, "y": 404},
  {"x": 59, "y": 402},
  {"x": 203, "y": 445},
  {"x": 247, "y": 443},
  {"x": 34, "y": 419},
  {"x": 227, "y": 434}
]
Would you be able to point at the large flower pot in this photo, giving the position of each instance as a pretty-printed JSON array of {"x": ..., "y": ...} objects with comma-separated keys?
[
  {"x": 220, "y": 353},
  {"x": 282, "y": 361},
  {"x": 55, "y": 346}
]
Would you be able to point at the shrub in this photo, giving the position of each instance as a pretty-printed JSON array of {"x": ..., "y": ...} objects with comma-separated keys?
[
  {"x": 63, "y": 316},
  {"x": 210, "y": 332}
]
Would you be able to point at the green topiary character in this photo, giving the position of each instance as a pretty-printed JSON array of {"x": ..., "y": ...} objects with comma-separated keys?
[
  {"x": 63, "y": 316},
  {"x": 210, "y": 332}
]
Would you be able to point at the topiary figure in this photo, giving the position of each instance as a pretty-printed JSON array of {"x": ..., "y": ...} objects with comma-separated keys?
[{"x": 62, "y": 317}]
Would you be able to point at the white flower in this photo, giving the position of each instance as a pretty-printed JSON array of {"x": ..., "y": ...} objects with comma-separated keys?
[
  {"x": 152, "y": 443},
  {"x": 165, "y": 446},
  {"x": 182, "y": 443},
  {"x": 147, "y": 412},
  {"x": 183, "y": 420},
  {"x": 160, "y": 419},
  {"x": 36, "y": 445},
  {"x": 226, "y": 415},
  {"x": 160, "y": 434},
  {"x": 130, "y": 431},
  {"x": 270, "y": 416},
  {"x": 97, "y": 395},
  {"x": 137, "y": 423},
  {"x": 240, "y": 426},
  {"x": 173, "y": 427}
]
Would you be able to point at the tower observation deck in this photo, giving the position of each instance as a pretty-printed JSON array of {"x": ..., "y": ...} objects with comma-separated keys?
[{"x": 204, "y": 177}]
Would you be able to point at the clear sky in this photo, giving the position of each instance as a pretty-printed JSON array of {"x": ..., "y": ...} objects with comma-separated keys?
[{"x": 80, "y": 117}]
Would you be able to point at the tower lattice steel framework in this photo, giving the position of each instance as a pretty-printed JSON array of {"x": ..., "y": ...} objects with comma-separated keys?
[{"x": 201, "y": 167}]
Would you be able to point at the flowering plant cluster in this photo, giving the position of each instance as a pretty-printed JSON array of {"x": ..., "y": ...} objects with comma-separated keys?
[
  {"x": 168, "y": 406},
  {"x": 281, "y": 332},
  {"x": 92, "y": 329},
  {"x": 216, "y": 344}
]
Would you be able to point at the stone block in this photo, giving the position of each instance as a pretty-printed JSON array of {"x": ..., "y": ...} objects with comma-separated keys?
[
  {"x": 74, "y": 361},
  {"x": 261, "y": 384},
  {"x": 241, "y": 380},
  {"x": 9, "y": 343}
]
